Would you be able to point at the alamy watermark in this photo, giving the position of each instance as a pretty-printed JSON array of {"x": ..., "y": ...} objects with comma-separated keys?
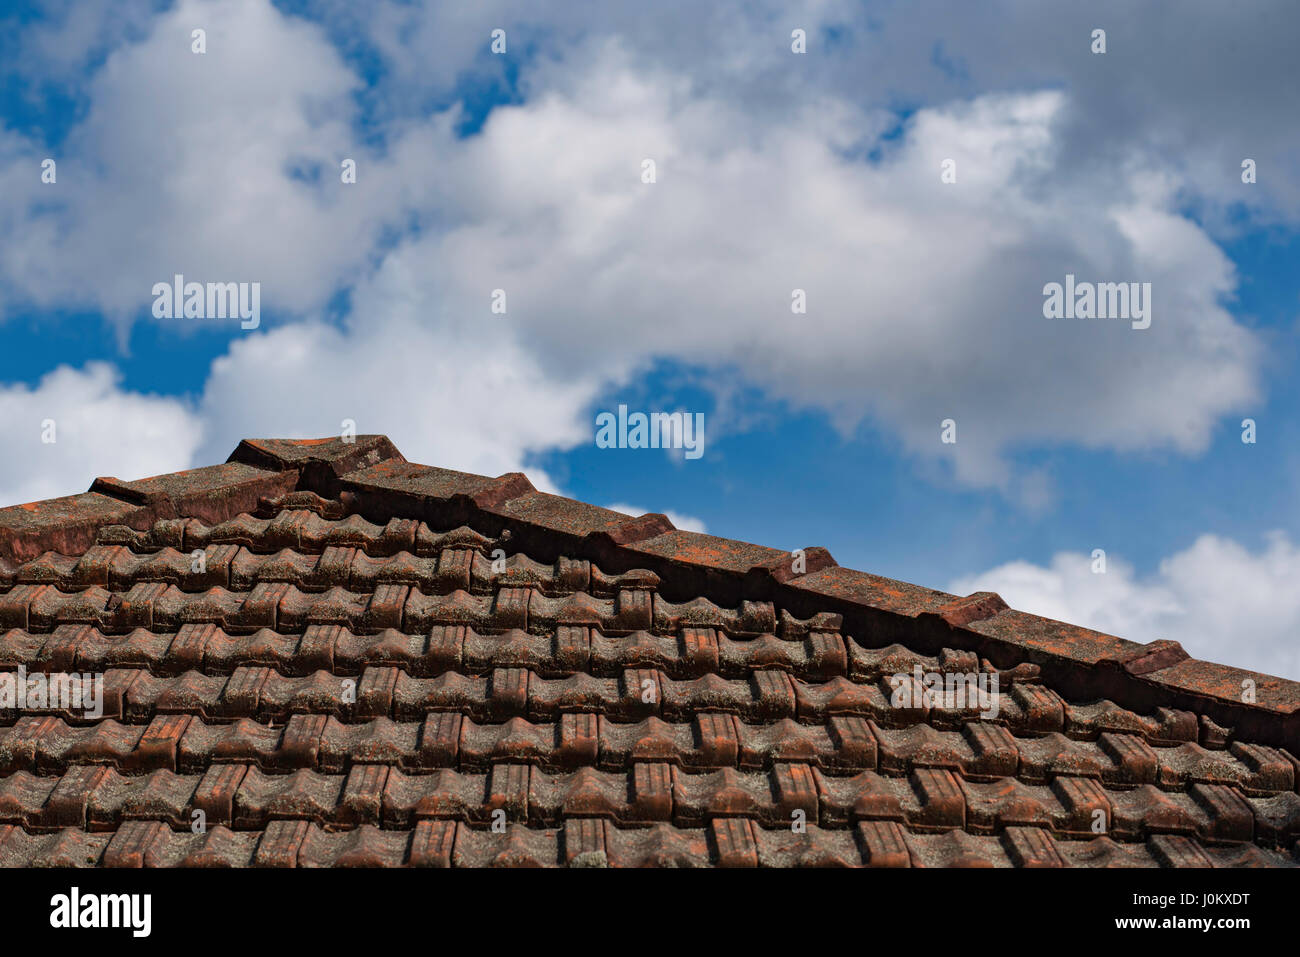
[
  {"x": 655, "y": 430},
  {"x": 77, "y": 910},
  {"x": 949, "y": 691},
  {"x": 179, "y": 299},
  {"x": 53, "y": 692},
  {"x": 1103, "y": 300}
]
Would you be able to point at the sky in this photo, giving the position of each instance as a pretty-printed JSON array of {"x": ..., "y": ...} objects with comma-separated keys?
[{"x": 827, "y": 228}]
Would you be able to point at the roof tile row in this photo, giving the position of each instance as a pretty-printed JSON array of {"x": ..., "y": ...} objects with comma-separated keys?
[
  {"x": 339, "y": 657},
  {"x": 587, "y": 842}
]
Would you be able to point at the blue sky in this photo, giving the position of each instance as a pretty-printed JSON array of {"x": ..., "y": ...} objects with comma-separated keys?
[{"x": 775, "y": 171}]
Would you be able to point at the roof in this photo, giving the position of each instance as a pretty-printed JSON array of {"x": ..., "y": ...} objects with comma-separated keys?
[{"x": 319, "y": 653}]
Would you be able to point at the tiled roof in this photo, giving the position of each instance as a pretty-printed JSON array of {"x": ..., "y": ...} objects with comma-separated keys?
[{"x": 340, "y": 657}]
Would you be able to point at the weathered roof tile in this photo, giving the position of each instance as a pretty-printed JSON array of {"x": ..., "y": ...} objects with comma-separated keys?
[{"x": 342, "y": 658}]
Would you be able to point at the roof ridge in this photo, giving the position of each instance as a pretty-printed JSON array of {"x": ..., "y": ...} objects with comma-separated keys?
[{"x": 373, "y": 478}]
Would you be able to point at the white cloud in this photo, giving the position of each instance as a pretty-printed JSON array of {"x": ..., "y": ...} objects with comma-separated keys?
[
  {"x": 99, "y": 429},
  {"x": 687, "y": 523},
  {"x": 68, "y": 35},
  {"x": 464, "y": 397},
  {"x": 924, "y": 299},
  {"x": 1219, "y": 599},
  {"x": 1150, "y": 92},
  {"x": 195, "y": 164}
]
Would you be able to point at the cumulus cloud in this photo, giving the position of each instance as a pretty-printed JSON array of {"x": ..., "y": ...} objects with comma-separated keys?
[
  {"x": 1219, "y": 599},
  {"x": 68, "y": 36},
  {"x": 98, "y": 428},
  {"x": 222, "y": 166},
  {"x": 687, "y": 523},
  {"x": 467, "y": 398},
  {"x": 924, "y": 298},
  {"x": 1150, "y": 90}
]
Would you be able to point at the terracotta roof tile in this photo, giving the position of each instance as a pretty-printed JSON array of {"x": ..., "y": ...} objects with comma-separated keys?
[{"x": 317, "y": 651}]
